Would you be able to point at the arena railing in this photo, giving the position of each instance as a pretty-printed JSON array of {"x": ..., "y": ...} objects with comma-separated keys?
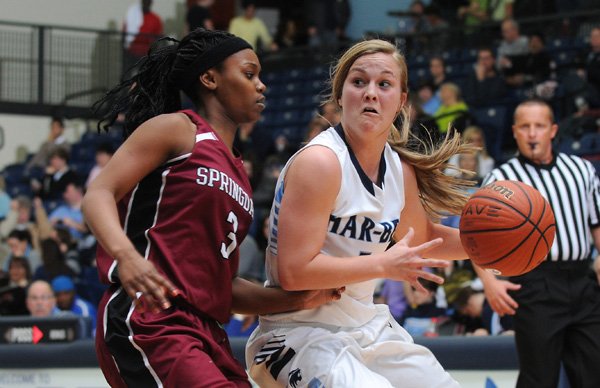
[{"x": 40, "y": 65}]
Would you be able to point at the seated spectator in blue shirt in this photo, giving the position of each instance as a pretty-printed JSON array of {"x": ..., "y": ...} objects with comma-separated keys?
[
  {"x": 68, "y": 300},
  {"x": 423, "y": 310},
  {"x": 69, "y": 214},
  {"x": 430, "y": 101},
  {"x": 392, "y": 294}
]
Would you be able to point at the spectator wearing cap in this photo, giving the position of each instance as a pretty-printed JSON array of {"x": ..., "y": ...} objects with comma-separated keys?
[{"x": 68, "y": 300}]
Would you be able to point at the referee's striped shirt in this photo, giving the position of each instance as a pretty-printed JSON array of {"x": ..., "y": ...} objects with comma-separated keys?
[{"x": 572, "y": 187}]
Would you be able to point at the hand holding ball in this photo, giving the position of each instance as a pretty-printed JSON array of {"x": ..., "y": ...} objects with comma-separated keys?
[{"x": 508, "y": 227}]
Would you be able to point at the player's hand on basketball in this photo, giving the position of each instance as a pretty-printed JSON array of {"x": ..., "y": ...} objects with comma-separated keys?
[
  {"x": 316, "y": 298},
  {"x": 406, "y": 263},
  {"x": 496, "y": 292},
  {"x": 145, "y": 285}
]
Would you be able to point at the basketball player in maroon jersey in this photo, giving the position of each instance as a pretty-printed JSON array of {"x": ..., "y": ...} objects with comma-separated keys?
[{"x": 169, "y": 212}]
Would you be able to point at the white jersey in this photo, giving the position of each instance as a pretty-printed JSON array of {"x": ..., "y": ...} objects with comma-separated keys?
[{"x": 363, "y": 221}]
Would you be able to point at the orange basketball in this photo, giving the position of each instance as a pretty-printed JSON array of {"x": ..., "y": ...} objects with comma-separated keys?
[{"x": 507, "y": 226}]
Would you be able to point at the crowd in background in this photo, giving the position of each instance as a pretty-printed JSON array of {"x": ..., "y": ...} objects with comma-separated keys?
[{"x": 47, "y": 254}]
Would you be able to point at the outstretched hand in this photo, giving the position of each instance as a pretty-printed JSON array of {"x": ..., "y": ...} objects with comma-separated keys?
[
  {"x": 406, "y": 263},
  {"x": 145, "y": 285}
]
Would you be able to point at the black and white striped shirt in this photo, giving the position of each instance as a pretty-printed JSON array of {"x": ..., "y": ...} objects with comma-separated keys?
[{"x": 572, "y": 187}]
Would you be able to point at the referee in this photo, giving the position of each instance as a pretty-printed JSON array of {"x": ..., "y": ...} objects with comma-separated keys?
[{"x": 556, "y": 305}]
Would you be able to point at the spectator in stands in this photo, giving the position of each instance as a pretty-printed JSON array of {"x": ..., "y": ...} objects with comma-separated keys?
[
  {"x": 473, "y": 304},
  {"x": 473, "y": 14},
  {"x": 68, "y": 215},
  {"x": 57, "y": 176},
  {"x": 68, "y": 300},
  {"x": 416, "y": 22},
  {"x": 4, "y": 199},
  {"x": 592, "y": 62},
  {"x": 316, "y": 125},
  {"x": 582, "y": 86},
  {"x": 437, "y": 72},
  {"x": 19, "y": 244},
  {"x": 500, "y": 10},
  {"x": 423, "y": 308},
  {"x": 72, "y": 250},
  {"x": 513, "y": 44},
  {"x": 436, "y": 25},
  {"x": 104, "y": 151},
  {"x": 198, "y": 16},
  {"x": 252, "y": 29},
  {"x": 453, "y": 109},
  {"x": 428, "y": 99},
  {"x": 484, "y": 86},
  {"x": 23, "y": 217},
  {"x": 287, "y": 35},
  {"x": 53, "y": 262},
  {"x": 422, "y": 125},
  {"x": 13, "y": 286},
  {"x": 530, "y": 68},
  {"x": 485, "y": 163},
  {"x": 41, "y": 301},
  {"x": 142, "y": 27},
  {"x": 56, "y": 139},
  {"x": 327, "y": 21},
  {"x": 330, "y": 112},
  {"x": 392, "y": 294}
]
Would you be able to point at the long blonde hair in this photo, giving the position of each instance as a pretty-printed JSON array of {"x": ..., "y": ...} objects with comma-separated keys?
[{"x": 440, "y": 194}]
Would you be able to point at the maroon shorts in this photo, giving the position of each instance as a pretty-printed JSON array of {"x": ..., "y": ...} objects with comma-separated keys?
[{"x": 173, "y": 348}]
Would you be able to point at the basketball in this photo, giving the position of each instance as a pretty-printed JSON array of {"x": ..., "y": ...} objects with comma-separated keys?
[{"x": 507, "y": 227}]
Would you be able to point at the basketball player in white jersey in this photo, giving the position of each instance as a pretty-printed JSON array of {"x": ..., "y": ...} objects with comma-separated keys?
[{"x": 339, "y": 202}]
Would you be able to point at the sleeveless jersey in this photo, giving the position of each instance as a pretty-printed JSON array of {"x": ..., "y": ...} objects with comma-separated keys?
[
  {"x": 188, "y": 218},
  {"x": 363, "y": 221}
]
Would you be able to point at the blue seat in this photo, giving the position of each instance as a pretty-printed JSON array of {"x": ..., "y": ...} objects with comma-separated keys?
[
  {"x": 14, "y": 173},
  {"x": 493, "y": 121},
  {"x": 589, "y": 145},
  {"x": 568, "y": 145},
  {"x": 452, "y": 56},
  {"x": 16, "y": 189}
]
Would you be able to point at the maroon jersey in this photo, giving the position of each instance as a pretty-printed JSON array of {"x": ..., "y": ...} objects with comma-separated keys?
[{"x": 188, "y": 218}]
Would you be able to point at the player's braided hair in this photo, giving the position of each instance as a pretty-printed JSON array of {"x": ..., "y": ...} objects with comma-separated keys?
[
  {"x": 159, "y": 77},
  {"x": 440, "y": 194}
]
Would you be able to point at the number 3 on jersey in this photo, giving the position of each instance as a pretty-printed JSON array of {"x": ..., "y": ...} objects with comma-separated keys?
[{"x": 227, "y": 249}]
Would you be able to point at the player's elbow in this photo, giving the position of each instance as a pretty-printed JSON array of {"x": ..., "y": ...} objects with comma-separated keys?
[{"x": 290, "y": 280}]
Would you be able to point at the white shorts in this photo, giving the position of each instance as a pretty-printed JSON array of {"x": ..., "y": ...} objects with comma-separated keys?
[{"x": 379, "y": 354}]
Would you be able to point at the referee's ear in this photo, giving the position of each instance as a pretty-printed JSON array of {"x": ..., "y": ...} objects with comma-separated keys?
[{"x": 554, "y": 130}]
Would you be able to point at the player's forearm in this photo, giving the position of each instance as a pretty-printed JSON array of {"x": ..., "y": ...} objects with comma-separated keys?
[
  {"x": 252, "y": 298},
  {"x": 451, "y": 249}
]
